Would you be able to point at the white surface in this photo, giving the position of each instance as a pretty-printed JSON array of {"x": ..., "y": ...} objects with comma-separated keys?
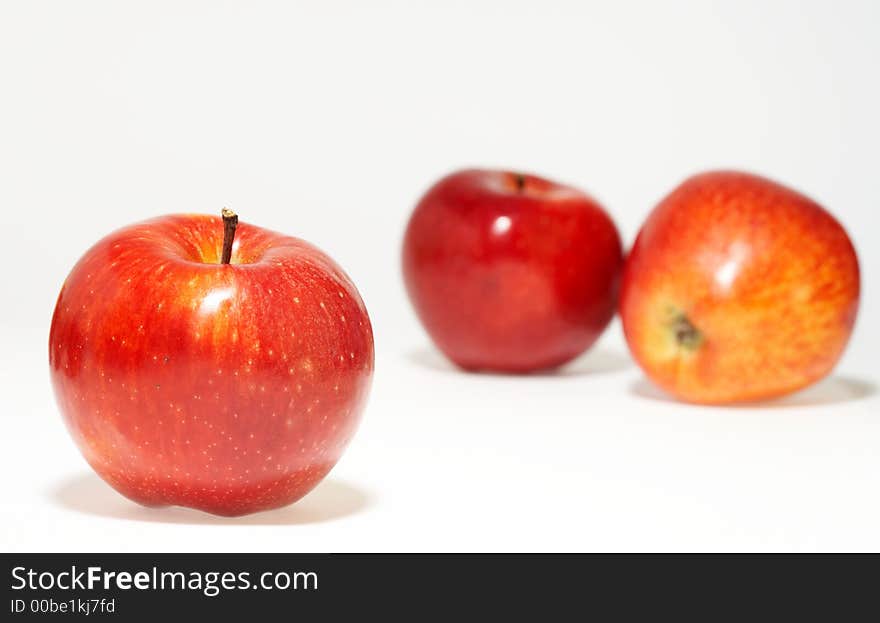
[{"x": 326, "y": 121}]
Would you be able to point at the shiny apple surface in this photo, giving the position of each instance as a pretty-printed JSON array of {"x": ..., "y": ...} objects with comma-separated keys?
[
  {"x": 511, "y": 272},
  {"x": 230, "y": 388}
]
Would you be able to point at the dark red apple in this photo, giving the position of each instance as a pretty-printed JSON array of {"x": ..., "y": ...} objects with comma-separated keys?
[
  {"x": 511, "y": 272},
  {"x": 226, "y": 387},
  {"x": 738, "y": 289}
]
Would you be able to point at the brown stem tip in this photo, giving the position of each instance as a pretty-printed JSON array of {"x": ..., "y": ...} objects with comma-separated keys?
[
  {"x": 520, "y": 181},
  {"x": 230, "y": 222}
]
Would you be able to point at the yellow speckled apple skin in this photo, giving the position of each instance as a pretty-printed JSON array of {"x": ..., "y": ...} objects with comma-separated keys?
[
  {"x": 738, "y": 289},
  {"x": 229, "y": 388}
]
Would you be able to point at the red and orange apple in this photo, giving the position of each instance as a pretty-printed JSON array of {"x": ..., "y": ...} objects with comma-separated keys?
[
  {"x": 195, "y": 371},
  {"x": 738, "y": 289},
  {"x": 511, "y": 272}
]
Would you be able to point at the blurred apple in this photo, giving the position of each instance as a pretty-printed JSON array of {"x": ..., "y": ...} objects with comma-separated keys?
[
  {"x": 738, "y": 289},
  {"x": 511, "y": 272}
]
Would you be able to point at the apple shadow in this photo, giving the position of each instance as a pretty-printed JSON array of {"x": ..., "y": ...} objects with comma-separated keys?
[
  {"x": 829, "y": 391},
  {"x": 331, "y": 499},
  {"x": 595, "y": 361}
]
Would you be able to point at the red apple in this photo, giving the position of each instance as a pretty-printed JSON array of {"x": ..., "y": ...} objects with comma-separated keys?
[
  {"x": 738, "y": 289},
  {"x": 511, "y": 272},
  {"x": 226, "y": 387}
]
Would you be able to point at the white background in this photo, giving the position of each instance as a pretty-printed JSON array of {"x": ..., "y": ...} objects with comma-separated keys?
[{"x": 327, "y": 120}]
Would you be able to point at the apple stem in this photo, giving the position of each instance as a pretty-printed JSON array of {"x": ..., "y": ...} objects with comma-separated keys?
[
  {"x": 520, "y": 180},
  {"x": 230, "y": 222}
]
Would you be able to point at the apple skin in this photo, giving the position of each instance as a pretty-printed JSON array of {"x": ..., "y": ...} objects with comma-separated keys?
[
  {"x": 226, "y": 388},
  {"x": 738, "y": 289},
  {"x": 509, "y": 272}
]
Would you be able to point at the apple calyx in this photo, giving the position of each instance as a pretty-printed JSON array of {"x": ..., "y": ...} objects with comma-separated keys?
[
  {"x": 520, "y": 180},
  {"x": 230, "y": 222},
  {"x": 686, "y": 334}
]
